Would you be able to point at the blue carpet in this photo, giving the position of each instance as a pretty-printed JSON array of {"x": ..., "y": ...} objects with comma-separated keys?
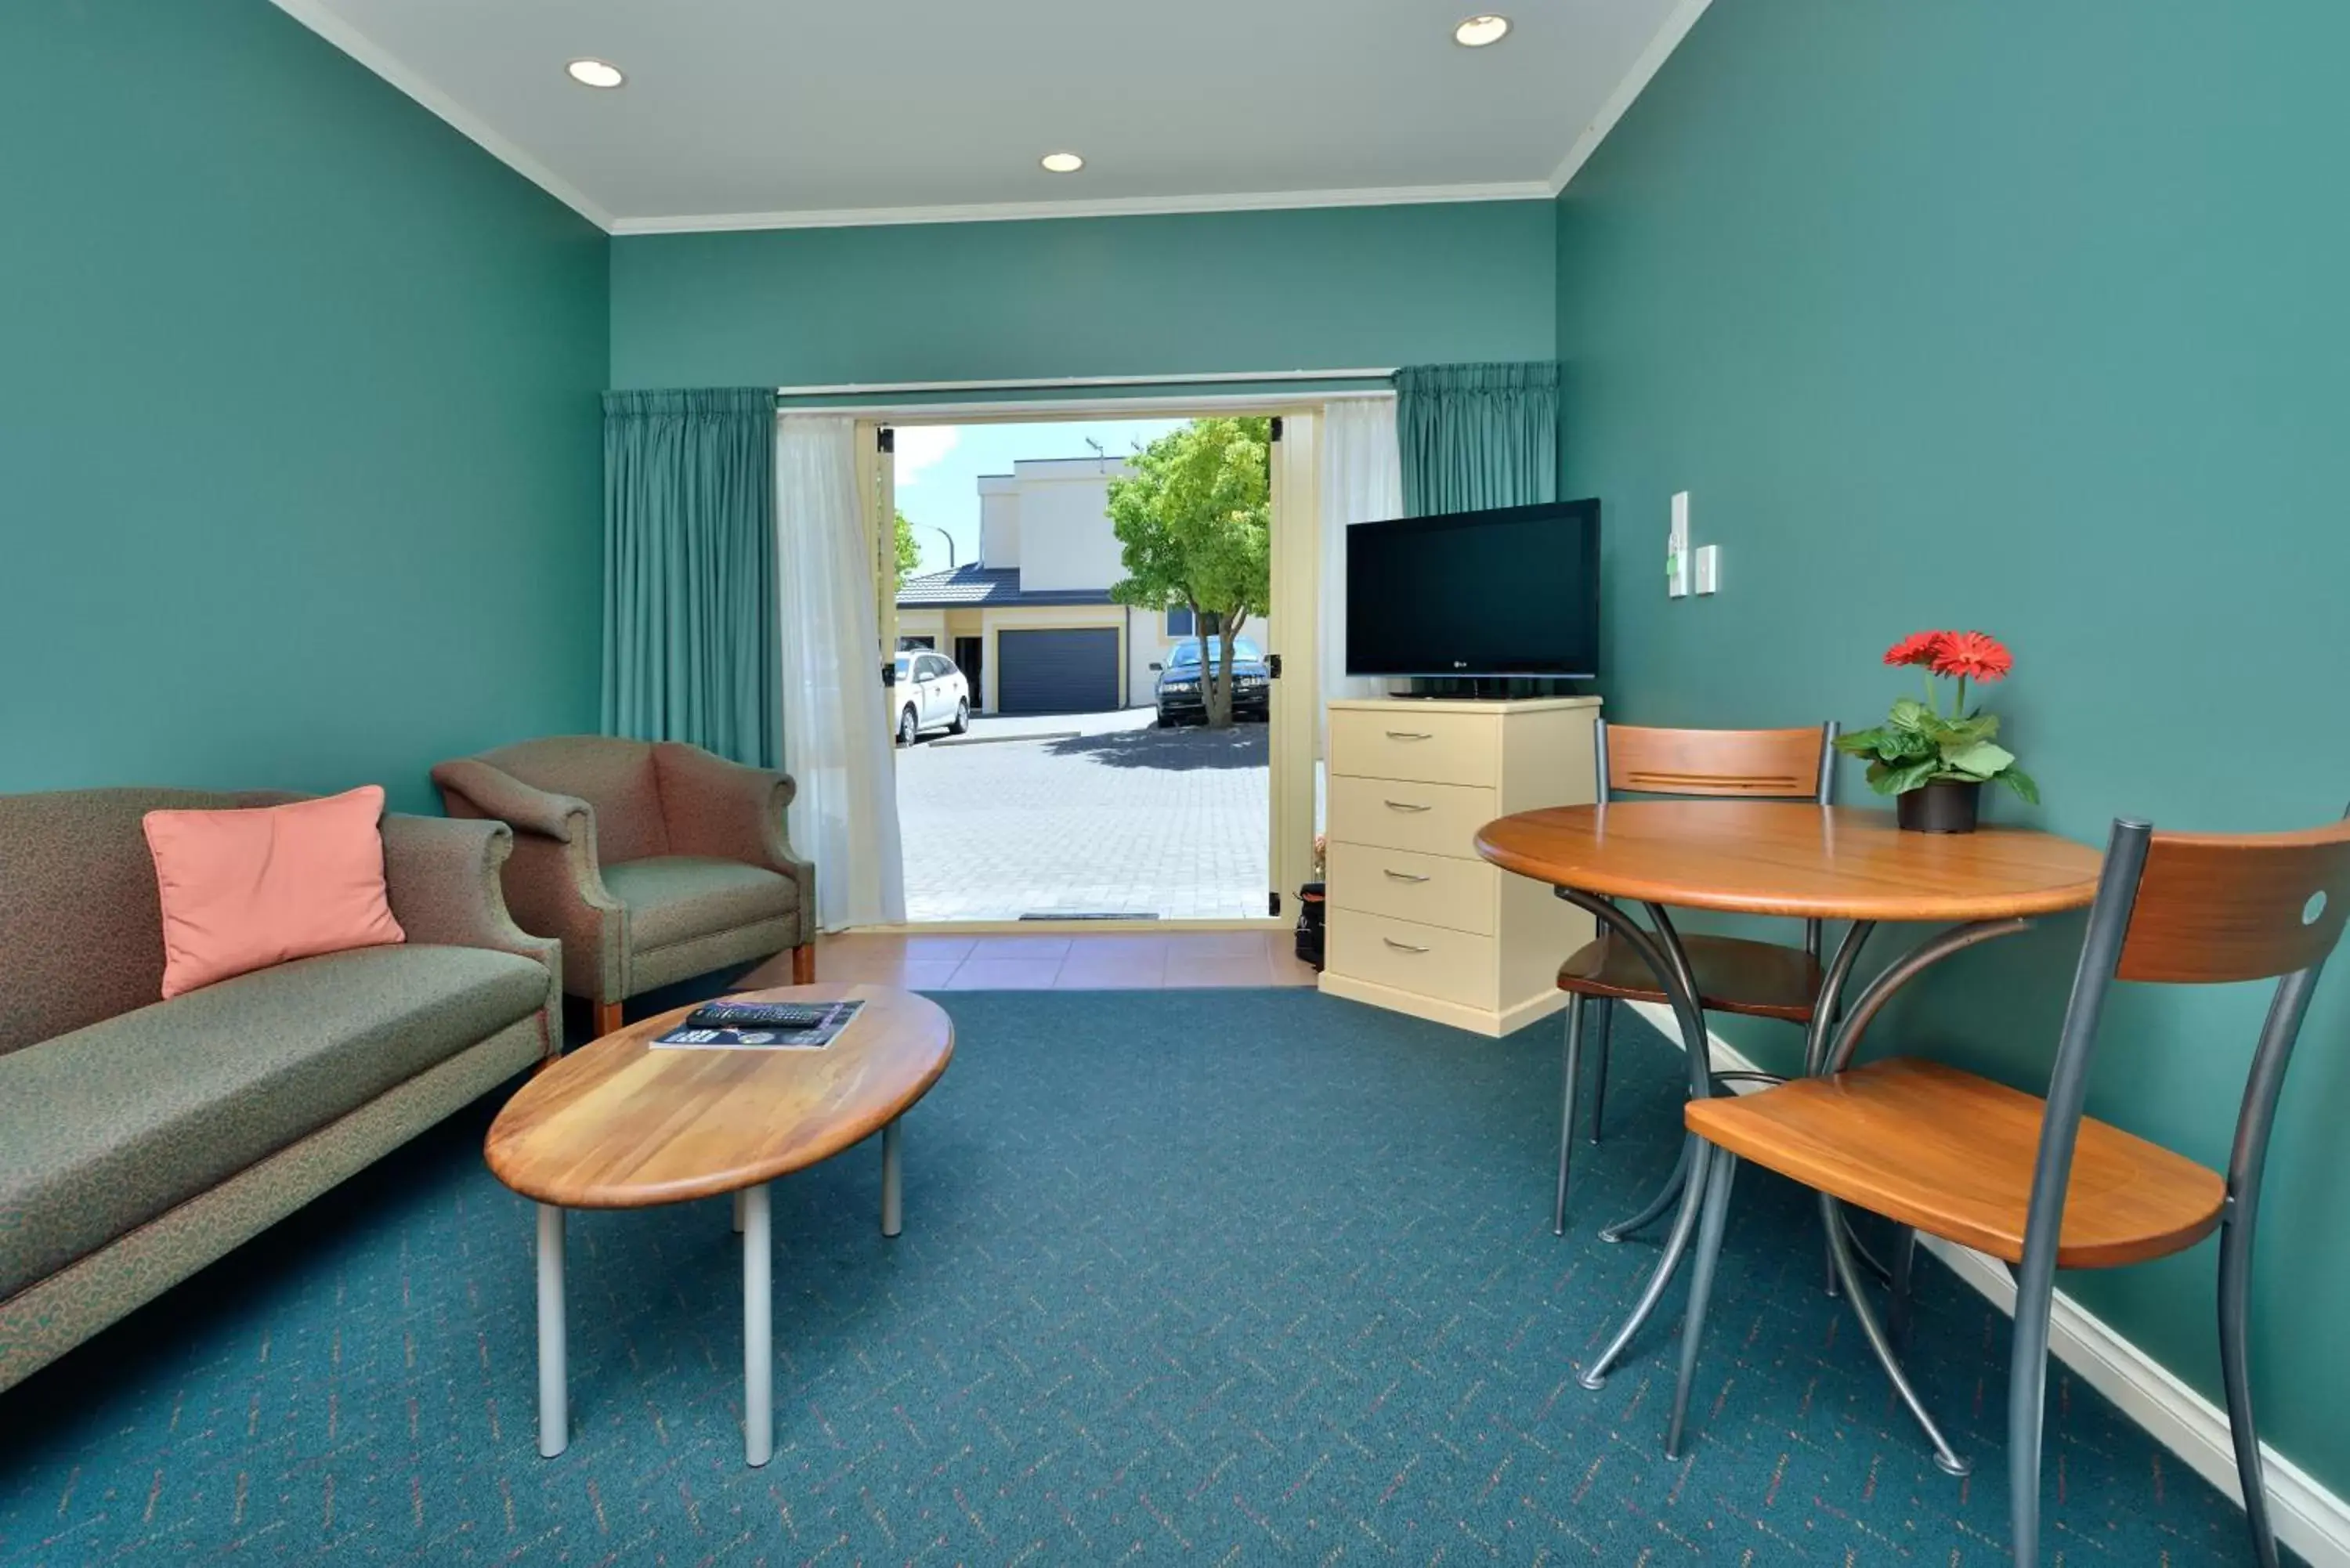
[{"x": 1223, "y": 1277}]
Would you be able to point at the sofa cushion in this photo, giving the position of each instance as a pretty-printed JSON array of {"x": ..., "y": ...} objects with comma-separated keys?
[
  {"x": 677, "y": 897},
  {"x": 106, "y": 1128},
  {"x": 243, "y": 890}
]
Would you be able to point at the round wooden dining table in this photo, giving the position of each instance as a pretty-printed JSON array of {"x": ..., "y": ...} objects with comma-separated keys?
[{"x": 1794, "y": 858}]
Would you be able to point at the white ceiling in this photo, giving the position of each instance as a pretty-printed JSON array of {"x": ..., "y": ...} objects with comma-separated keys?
[{"x": 773, "y": 113}]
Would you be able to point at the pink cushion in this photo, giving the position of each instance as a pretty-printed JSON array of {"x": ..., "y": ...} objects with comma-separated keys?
[{"x": 245, "y": 889}]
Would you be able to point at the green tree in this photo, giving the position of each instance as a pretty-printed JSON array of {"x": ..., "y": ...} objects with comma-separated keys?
[
  {"x": 1193, "y": 525},
  {"x": 910, "y": 551}
]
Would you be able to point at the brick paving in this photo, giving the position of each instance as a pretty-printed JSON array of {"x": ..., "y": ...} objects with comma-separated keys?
[{"x": 1119, "y": 816}]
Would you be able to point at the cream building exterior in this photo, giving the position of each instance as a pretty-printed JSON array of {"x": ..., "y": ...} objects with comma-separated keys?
[{"x": 1031, "y": 623}]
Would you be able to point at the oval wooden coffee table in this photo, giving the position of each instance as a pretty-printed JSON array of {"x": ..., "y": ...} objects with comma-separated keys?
[{"x": 619, "y": 1124}]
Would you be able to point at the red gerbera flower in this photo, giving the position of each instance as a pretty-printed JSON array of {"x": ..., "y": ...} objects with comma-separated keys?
[
  {"x": 1973, "y": 656},
  {"x": 1917, "y": 648}
]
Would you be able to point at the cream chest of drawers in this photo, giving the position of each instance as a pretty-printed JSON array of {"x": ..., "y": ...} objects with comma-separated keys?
[{"x": 1417, "y": 921}]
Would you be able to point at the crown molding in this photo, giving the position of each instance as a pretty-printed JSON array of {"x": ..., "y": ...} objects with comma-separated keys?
[
  {"x": 316, "y": 16},
  {"x": 1645, "y": 66},
  {"x": 1103, "y": 207}
]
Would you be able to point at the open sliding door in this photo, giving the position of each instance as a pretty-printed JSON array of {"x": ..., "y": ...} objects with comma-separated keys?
[
  {"x": 877, "y": 490},
  {"x": 1296, "y": 527}
]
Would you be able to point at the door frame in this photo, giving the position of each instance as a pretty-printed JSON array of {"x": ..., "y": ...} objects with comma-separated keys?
[{"x": 1294, "y": 728}]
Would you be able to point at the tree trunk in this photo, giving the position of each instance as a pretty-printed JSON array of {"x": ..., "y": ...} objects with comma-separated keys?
[{"x": 1217, "y": 674}]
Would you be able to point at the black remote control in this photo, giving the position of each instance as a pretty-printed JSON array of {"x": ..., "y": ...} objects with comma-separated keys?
[{"x": 775, "y": 1015}]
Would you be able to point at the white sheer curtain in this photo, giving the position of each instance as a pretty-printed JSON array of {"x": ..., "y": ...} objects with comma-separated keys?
[
  {"x": 836, "y": 736},
  {"x": 1362, "y": 482}
]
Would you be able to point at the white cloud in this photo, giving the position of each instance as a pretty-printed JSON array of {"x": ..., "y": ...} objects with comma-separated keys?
[{"x": 920, "y": 446}]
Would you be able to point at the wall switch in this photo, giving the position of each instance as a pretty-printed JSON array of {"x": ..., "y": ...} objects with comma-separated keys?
[{"x": 1709, "y": 567}]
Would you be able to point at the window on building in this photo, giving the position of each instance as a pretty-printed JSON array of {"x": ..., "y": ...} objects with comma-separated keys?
[{"x": 1179, "y": 622}]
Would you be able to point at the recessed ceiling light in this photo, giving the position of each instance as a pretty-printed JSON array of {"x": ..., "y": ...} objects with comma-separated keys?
[
  {"x": 1476, "y": 32},
  {"x": 599, "y": 74},
  {"x": 1063, "y": 163}
]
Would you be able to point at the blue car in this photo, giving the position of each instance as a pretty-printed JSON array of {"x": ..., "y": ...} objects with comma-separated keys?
[{"x": 1180, "y": 700}]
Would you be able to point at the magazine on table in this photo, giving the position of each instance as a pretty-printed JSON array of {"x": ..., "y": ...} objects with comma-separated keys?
[{"x": 761, "y": 1026}]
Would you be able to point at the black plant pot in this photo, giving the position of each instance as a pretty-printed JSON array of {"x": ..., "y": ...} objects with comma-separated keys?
[{"x": 1945, "y": 805}]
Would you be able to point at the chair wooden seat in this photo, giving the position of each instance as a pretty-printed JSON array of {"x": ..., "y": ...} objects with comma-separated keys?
[
  {"x": 1759, "y": 980},
  {"x": 1952, "y": 1153}
]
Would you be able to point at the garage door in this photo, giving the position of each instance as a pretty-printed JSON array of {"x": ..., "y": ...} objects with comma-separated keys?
[{"x": 1063, "y": 670}]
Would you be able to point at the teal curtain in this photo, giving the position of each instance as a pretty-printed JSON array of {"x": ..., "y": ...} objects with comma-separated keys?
[
  {"x": 1473, "y": 436},
  {"x": 691, "y": 644}
]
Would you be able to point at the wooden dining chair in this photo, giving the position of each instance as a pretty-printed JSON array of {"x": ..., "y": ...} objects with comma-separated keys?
[
  {"x": 1734, "y": 974},
  {"x": 2035, "y": 1181}
]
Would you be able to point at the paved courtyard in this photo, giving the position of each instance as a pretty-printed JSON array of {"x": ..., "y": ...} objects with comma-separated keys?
[{"x": 1085, "y": 814}]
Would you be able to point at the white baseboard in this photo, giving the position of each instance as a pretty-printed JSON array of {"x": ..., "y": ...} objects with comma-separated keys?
[{"x": 2308, "y": 1518}]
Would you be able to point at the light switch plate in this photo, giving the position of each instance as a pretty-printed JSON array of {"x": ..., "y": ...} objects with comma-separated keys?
[{"x": 1709, "y": 569}]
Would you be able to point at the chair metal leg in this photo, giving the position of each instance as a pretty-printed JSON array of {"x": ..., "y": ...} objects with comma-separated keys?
[
  {"x": 2027, "y": 1392},
  {"x": 1664, "y": 1200},
  {"x": 1599, "y": 1077},
  {"x": 2236, "y": 1373},
  {"x": 1708, "y": 1252},
  {"x": 1571, "y": 1074},
  {"x": 1840, "y": 1249},
  {"x": 1905, "y": 1264},
  {"x": 1676, "y": 1243}
]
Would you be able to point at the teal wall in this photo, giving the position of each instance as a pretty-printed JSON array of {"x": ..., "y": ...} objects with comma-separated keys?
[
  {"x": 2032, "y": 318},
  {"x": 1315, "y": 290},
  {"x": 299, "y": 443}
]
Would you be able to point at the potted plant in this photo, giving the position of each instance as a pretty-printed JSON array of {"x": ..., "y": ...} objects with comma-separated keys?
[{"x": 1935, "y": 762}]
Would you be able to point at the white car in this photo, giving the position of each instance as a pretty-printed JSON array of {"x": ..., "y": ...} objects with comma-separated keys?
[{"x": 931, "y": 693}]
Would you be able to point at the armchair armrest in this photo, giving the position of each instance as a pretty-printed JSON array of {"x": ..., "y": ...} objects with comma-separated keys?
[
  {"x": 494, "y": 793},
  {"x": 441, "y": 876},
  {"x": 712, "y": 806},
  {"x": 555, "y": 884}
]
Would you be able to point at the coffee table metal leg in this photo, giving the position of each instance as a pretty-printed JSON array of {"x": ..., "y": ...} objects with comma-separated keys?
[
  {"x": 553, "y": 1393},
  {"x": 758, "y": 1329},
  {"x": 893, "y": 1181}
]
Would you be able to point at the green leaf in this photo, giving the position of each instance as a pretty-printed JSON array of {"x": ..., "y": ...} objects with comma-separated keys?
[
  {"x": 1911, "y": 714},
  {"x": 1886, "y": 780},
  {"x": 1981, "y": 760},
  {"x": 1860, "y": 742},
  {"x": 2019, "y": 781}
]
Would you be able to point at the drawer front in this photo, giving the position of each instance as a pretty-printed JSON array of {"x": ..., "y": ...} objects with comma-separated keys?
[
  {"x": 1427, "y": 961},
  {"x": 1390, "y": 813},
  {"x": 1432, "y": 748},
  {"x": 1427, "y": 889}
]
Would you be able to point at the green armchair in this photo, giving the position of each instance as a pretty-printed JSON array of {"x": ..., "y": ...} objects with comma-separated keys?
[{"x": 651, "y": 861}]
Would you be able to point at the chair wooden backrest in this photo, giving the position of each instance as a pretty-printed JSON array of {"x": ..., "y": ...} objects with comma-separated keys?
[
  {"x": 1760, "y": 764},
  {"x": 1753, "y": 764}
]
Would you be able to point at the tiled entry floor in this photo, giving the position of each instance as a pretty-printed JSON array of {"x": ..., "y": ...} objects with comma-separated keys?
[{"x": 1084, "y": 960}]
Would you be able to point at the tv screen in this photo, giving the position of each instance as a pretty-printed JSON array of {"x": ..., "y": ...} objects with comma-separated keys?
[{"x": 1513, "y": 591}]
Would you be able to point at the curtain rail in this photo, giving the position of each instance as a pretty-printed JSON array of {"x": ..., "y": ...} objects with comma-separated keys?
[{"x": 1043, "y": 383}]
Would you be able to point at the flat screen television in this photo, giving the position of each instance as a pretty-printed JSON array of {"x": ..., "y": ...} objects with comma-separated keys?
[{"x": 1510, "y": 592}]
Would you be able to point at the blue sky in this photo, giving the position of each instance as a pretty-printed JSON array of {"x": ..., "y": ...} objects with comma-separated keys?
[{"x": 939, "y": 468}]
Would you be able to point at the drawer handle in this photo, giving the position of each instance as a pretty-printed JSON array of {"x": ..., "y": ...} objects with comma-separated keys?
[
  {"x": 1410, "y": 735},
  {"x": 1404, "y": 805},
  {"x": 1403, "y": 876},
  {"x": 1402, "y": 946}
]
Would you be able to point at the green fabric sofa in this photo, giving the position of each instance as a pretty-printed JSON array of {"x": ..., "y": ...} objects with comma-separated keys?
[{"x": 141, "y": 1140}]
